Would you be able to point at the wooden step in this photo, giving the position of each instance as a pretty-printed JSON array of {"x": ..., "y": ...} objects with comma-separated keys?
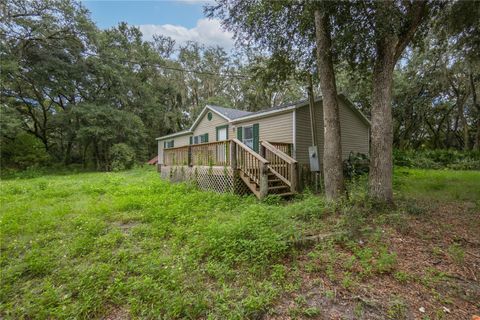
[
  {"x": 286, "y": 194},
  {"x": 277, "y": 188},
  {"x": 274, "y": 180}
]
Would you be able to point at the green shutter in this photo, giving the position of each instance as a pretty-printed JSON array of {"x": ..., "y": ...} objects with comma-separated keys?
[
  {"x": 173, "y": 143},
  {"x": 239, "y": 133},
  {"x": 256, "y": 139},
  {"x": 206, "y": 137},
  {"x": 191, "y": 139},
  {"x": 164, "y": 144}
]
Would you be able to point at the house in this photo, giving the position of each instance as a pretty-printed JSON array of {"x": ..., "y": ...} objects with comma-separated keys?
[{"x": 263, "y": 152}]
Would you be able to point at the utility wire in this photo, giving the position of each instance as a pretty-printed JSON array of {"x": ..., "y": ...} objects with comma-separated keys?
[{"x": 171, "y": 68}]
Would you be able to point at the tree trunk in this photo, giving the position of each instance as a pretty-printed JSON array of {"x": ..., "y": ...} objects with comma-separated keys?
[
  {"x": 381, "y": 164},
  {"x": 389, "y": 47},
  {"x": 476, "y": 145},
  {"x": 332, "y": 149},
  {"x": 463, "y": 121}
]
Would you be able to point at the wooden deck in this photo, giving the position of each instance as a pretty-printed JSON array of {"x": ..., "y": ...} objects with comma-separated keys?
[{"x": 272, "y": 171}]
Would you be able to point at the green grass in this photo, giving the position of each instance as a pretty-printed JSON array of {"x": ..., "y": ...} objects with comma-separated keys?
[
  {"x": 79, "y": 245},
  {"x": 82, "y": 245},
  {"x": 444, "y": 185}
]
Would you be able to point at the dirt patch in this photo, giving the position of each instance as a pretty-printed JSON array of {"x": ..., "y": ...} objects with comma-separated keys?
[
  {"x": 436, "y": 275},
  {"x": 125, "y": 227},
  {"x": 117, "y": 313}
]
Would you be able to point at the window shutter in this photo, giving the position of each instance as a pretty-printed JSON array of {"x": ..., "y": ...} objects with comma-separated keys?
[
  {"x": 256, "y": 136},
  {"x": 239, "y": 133},
  {"x": 173, "y": 143},
  {"x": 164, "y": 144},
  {"x": 191, "y": 139},
  {"x": 206, "y": 137}
]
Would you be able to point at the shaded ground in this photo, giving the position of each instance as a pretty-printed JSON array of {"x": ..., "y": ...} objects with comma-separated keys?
[{"x": 435, "y": 275}]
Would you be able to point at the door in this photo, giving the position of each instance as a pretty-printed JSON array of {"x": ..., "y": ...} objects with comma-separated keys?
[
  {"x": 222, "y": 134},
  {"x": 222, "y": 149}
]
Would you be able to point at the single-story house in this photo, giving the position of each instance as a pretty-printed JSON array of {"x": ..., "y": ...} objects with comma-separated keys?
[{"x": 285, "y": 128}]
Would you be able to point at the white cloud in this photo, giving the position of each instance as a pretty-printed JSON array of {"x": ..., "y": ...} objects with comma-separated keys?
[{"x": 207, "y": 31}]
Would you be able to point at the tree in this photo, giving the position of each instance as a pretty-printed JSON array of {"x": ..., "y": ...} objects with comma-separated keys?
[
  {"x": 394, "y": 28},
  {"x": 332, "y": 155}
]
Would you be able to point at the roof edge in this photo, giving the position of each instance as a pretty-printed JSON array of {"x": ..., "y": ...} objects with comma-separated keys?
[
  {"x": 200, "y": 116},
  {"x": 176, "y": 134}
]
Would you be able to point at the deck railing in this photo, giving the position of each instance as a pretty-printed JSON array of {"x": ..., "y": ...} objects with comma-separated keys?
[
  {"x": 205, "y": 154},
  {"x": 211, "y": 154},
  {"x": 178, "y": 156},
  {"x": 255, "y": 167},
  {"x": 251, "y": 164},
  {"x": 280, "y": 164},
  {"x": 283, "y": 146}
]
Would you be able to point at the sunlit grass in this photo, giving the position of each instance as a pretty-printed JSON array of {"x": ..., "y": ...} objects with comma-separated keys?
[
  {"x": 80, "y": 245},
  {"x": 444, "y": 185}
]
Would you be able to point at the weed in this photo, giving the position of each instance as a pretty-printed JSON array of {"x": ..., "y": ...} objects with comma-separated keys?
[
  {"x": 456, "y": 253},
  {"x": 402, "y": 276},
  {"x": 311, "y": 312},
  {"x": 397, "y": 309}
]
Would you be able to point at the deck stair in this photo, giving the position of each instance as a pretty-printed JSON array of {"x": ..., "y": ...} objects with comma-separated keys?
[{"x": 270, "y": 172}]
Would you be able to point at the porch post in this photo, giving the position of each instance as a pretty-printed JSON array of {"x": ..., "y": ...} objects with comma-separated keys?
[
  {"x": 262, "y": 150},
  {"x": 263, "y": 181},
  {"x": 294, "y": 182},
  {"x": 189, "y": 156}
]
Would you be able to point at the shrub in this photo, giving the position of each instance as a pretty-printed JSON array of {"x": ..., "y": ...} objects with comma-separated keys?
[
  {"x": 122, "y": 157},
  {"x": 25, "y": 151},
  {"x": 438, "y": 159},
  {"x": 355, "y": 165}
]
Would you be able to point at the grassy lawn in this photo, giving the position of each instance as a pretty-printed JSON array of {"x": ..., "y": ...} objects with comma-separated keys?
[{"x": 114, "y": 245}]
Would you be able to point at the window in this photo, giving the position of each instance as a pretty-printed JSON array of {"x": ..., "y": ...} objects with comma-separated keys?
[
  {"x": 200, "y": 139},
  {"x": 168, "y": 144},
  {"x": 248, "y": 136},
  {"x": 222, "y": 133}
]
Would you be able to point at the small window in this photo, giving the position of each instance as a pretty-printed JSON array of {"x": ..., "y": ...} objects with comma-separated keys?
[
  {"x": 209, "y": 116},
  {"x": 168, "y": 144},
  {"x": 248, "y": 136},
  {"x": 203, "y": 138}
]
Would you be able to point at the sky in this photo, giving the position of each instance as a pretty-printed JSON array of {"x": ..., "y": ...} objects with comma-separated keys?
[{"x": 180, "y": 20}]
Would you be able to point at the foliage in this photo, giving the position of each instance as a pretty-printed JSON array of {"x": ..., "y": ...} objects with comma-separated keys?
[
  {"x": 59, "y": 72},
  {"x": 438, "y": 159},
  {"x": 76, "y": 245},
  {"x": 82, "y": 245},
  {"x": 122, "y": 157},
  {"x": 355, "y": 165},
  {"x": 23, "y": 151}
]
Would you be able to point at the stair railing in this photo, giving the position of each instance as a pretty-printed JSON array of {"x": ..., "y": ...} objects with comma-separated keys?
[
  {"x": 252, "y": 165},
  {"x": 281, "y": 165}
]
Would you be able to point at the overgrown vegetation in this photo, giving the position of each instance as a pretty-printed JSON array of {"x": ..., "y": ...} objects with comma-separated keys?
[
  {"x": 438, "y": 159},
  {"x": 90, "y": 244}
]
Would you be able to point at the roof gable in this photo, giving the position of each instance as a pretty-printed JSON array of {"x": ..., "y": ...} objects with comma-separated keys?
[{"x": 231, "y": 114}]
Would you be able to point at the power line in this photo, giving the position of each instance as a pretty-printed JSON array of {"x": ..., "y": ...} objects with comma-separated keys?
[{"x": 172, "y": 68}]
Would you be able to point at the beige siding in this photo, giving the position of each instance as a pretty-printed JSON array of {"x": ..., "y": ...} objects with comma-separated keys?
[
  {"x": 179, "y": 141},
  {"x": 353, "y": 130},
  {"x": 210, "y": 126},
  {"x": 303, "y": 134},
  {"x": 275, "y": 128}
]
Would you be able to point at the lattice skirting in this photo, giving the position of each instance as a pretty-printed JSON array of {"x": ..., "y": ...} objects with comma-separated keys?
[{"x": 219, "y": 179}]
